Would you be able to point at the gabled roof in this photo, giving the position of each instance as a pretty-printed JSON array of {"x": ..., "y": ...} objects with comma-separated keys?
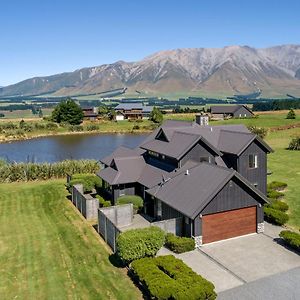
[
  {"x": 130, "y": 106},
  {"x": 227, "y": 109},
  {"x": 190, "y": 193},
  {"x": 178, "y": 145},
  {"x": 119, "y": 153},
  {"x": 123, "y": 170}
]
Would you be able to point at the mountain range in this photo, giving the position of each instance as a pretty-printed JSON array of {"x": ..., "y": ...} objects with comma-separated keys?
[{"x": 204, "y": 71}]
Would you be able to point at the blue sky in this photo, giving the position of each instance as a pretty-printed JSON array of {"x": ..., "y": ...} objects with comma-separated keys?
[{"x": 47, "y": 37}]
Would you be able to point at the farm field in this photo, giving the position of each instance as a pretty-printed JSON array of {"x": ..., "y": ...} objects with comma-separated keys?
[
  {"x": 48, "y": 251},
  {"x": 23, "y": 114}
]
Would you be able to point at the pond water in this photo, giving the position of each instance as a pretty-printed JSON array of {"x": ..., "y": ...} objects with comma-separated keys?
[{"x": 57, "y": 148}]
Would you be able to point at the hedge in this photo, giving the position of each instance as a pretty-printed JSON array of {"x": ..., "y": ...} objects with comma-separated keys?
[
  {"x": 277, "y": 185},
  {"x": 135, "y": 200},
  {"x": 279, "y": 205},
  {"x": 12, "y": 172},
  {"x": 179, "y": 244},
  {"x": 273, "y": 194},
  {"x": 291, "y": 238},
  {"x": 274, "y": 216},
  {"x": 103, "y": 202},
  {"x": 89, "y": 182},
  {"x": 166, "y": 277},
  {"x": 138, "y": 243}
]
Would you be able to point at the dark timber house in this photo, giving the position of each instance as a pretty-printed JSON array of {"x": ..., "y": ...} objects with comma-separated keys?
[
  {"x": 230, "y": 111},
  {"x": 214, "y": 177}
]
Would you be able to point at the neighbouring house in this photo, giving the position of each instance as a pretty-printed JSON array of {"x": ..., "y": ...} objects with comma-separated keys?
[
  {"x": 90, "y": 113},
  {"x": 213, "y": 177},
  {"x": 132, "y": 111},
  {"x": 230, "y": 111}
]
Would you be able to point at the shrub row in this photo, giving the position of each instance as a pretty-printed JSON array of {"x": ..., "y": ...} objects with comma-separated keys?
[
  {"x": 43, "y": 171},
  {"x": 103, "y": 202},
  {"x": 89, "y": 182},
  {"x": 291, "y": 238},
  {"x": 135, "y": 200},
  {"x": 275, "y": 216},
  {"x": 273, "y": 194},
  {"x": 166, "y": 277},
  {"x": 138, "y": 243},
  {"x": 277, "y": 185},
  {"x": 278, "y": 205},
  {"x": 179, "y": 244}
]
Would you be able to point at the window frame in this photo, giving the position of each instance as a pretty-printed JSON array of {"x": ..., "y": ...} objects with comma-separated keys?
[{"x": 254, "y": 162}]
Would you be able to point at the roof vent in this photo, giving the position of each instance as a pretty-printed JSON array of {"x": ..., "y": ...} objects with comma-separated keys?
[
  {"x": 187, "y": 172},
  {"x": 211, "y": 129}
]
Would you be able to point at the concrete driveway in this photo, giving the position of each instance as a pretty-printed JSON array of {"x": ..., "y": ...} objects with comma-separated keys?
[
  {"x": 233, "y": 263},
  {"x": 252, "y": 257}
]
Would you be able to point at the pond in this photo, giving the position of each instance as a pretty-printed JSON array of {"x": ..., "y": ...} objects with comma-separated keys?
[{"x": 57, "y": 148}]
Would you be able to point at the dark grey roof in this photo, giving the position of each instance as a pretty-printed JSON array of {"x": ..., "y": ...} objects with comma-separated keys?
[
  {"x": 190, "y": 193},
  {"x": 130, "y": 106},
  {"x": 123, "y": 170},
  {"x": 226, "y": 109},
  {"x": 177, "y": 144},
  {"x": 120, "y": 152},
  {"x": 225, "y": 138}
]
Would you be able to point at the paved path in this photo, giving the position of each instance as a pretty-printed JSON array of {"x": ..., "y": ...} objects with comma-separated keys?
[{"x": 282, "y": 286}]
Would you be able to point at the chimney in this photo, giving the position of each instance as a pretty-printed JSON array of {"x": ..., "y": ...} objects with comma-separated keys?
[{"x": 202, "y": 119}]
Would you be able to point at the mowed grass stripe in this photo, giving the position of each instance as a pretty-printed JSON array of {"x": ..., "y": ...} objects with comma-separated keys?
[{"x": 47, "y": 251}]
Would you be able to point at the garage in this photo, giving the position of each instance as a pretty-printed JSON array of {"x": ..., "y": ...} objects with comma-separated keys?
[{"x": 228, "y": 224}]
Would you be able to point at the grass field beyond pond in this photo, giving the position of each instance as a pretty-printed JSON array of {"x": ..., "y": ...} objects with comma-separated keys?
[{"x": 47, "y": 251}]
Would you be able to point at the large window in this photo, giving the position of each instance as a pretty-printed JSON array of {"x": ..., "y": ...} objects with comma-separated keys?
[{"x": 253, "y": 161}]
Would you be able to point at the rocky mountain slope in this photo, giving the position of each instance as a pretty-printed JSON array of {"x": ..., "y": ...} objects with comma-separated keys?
[{"x": 209, "y": 71}]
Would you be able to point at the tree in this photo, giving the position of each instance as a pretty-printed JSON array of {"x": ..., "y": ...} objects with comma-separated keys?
[
  {"x": 67, "y": 111},
  {"x": 156, "y": 115},
  {"x": 260, "y": 131},
  {"x": 103, "y": 110},
  {"x": 40, "y": 113},
  {"x": 291, "y": 114}
]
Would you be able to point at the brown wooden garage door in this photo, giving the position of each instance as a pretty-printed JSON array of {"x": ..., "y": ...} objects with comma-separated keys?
[{"x": 228, "y": 224}]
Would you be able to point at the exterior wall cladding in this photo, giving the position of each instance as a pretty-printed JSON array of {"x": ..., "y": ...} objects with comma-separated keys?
[
  {"x": 232, "y": 196},
  {"x": 256, "y": 175},
  {"x": 242, "y": 111},
  {"x": 198, "y": 151}
]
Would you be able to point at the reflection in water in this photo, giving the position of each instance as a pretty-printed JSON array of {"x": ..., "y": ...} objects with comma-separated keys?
[{"x": 56, "y": 148}]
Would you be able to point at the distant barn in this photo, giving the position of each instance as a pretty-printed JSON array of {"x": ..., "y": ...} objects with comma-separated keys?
[{"x": 230, "y": 111}]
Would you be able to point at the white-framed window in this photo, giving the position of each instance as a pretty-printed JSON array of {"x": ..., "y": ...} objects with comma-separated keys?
[{"x": 253, "y": 161}]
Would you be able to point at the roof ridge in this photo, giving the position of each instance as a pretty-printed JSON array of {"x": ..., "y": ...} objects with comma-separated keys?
[{"x": 233, "y": 131}]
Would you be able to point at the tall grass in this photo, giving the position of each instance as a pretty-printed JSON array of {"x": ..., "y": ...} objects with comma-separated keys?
[{"x": 42, "y": 171}]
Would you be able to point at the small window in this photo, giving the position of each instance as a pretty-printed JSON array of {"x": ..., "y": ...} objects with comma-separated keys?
[
  {"x": 230, "y": 183},
  {"x": 205, "y": 159},
  {"x": 159, "y": 211},
  {"x": 153, "y": 153},
  {"x": 253, "y": 161},
  {"x": 163, "y": 156},
  {"x": 240, "y": 115}
]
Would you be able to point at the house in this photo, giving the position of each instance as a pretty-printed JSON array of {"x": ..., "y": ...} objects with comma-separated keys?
[
  {"x": 132, "y": 111},
  {"x": 213, "y": 177},
  {"x": 230, "y": 111},
  {"x": 90, "y": 113}
]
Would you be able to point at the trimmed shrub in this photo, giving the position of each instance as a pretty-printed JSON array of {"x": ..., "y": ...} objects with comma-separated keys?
[
  {"x": 277, "y": 185},
  {"x": 92, "y": 127},
  {"x": 291, "y": 238},
  {"x": 291, "y": 114},
  {"x": 294, "y": 144},
  {"x": 166, "y": 277},
  {"x": 75, "y": 128},
  {"x": 273, "y": 194},
  {"x": 179, "y": 244},
  {"x": 137, "y": 201},
  {"x": 138, "y": 243},
  {"x": 89, "y": 182},
  {"x": 279, "y": 205},
  {"x": 274, "y": 216},
  {"x": 103, "y": 202}
]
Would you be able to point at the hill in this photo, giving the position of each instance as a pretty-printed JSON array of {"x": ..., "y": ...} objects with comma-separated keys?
[{"x": 207, "y": 71}]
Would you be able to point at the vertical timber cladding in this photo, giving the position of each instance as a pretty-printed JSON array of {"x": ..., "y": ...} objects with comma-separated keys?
[{"x": 228, "y": 224}]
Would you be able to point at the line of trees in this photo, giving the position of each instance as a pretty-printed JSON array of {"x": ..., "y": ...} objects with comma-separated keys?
[{"x": 276, "y": 105}]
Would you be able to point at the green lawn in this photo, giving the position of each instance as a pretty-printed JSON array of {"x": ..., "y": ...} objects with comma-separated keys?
[
  {"x": 47, "y": 251},
  {"x": 285, "y": 165}
]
